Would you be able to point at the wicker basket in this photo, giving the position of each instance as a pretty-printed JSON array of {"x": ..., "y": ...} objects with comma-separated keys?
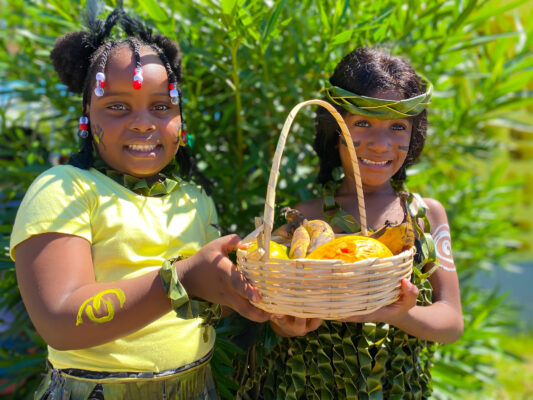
[{"x": 327, "y": 289}]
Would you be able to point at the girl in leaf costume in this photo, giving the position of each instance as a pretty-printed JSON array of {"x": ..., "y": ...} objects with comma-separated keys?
[
  {"x": 100, "y": 244},
  {"x": 385, "y": 354}
]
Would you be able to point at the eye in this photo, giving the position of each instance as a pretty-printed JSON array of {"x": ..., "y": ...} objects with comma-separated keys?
[
  {"x": 362, "y": 123},
  {"x": 398, "y": 127},
  {"x": 117, "y": 107},
  {"x": 161, "y": 107}
]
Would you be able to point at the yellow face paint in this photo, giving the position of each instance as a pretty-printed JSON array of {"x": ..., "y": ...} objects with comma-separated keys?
[{"x": 97, "y": 301}]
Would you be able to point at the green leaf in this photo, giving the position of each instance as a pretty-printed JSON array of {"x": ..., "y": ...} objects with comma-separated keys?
[
  {"x": 480, "y": 40},
  {"x": 228, "y": 6},
  {"x": 272, "y": 22},
  {"x": 154, "y": 10},
  {"x": 341, "y": 38}
]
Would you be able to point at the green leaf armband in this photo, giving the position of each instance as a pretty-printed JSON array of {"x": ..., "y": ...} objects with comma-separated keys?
[
  {"x": 184, "y": 307},
  {"x": 173, "y": 288}
]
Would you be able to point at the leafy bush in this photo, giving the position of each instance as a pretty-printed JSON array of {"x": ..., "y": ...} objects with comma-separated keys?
[{"x": 246, "y": 64}]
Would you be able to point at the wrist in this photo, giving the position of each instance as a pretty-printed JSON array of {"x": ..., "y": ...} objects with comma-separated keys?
[
  {"x": 397, "y": 319},
  {"x": 174, "y": 275},
  {"x": 183, "y": 269},
  {"x": 174, "y": 289}
]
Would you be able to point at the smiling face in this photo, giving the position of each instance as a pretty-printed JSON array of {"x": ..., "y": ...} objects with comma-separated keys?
[
  {"x": 135, "y": 131},
  {"x": 381, "y": 145}
]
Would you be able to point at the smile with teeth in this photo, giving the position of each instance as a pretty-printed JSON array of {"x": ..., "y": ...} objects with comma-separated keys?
[
  {"x": 375, "y": 163},
  {"x": 142, "y": 147}
]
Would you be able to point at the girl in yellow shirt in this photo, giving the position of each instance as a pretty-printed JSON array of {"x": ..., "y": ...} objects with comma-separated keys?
[{"x": 108, "y": 246}]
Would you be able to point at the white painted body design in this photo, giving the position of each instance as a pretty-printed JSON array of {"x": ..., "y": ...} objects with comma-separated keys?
[{"x": 443, "y": 247}]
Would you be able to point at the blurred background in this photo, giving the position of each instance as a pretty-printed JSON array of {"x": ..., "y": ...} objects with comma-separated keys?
[{"x": 246, "y": 64}]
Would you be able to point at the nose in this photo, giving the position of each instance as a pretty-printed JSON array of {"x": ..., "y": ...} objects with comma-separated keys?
[
  {"x": 142, "y": 122},
  {"x": 379, "y": 140}
]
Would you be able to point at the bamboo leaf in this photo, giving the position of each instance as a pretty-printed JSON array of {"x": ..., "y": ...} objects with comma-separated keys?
[
  {"x": 480, "y": 40},
  {"x": 272, "y": 22},
  {"x": 341, "y": 38},
  {"x": 154, "y": 10},
  {"x": 228, "y": 6}
]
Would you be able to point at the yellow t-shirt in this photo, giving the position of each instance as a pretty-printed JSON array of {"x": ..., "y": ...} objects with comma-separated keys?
[{"x": 130, "y": 235}]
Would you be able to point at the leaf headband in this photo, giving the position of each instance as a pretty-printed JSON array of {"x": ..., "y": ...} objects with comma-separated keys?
[{"x": 380, "y": 108}]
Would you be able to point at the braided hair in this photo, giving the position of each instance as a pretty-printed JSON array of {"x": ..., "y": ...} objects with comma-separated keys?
[
  {"x": 78, "y": 56},
  {"x": 365, "y": 71}
]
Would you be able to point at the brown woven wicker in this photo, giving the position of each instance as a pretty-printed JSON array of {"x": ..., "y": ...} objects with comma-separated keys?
[{"x": 327, "y": 289}]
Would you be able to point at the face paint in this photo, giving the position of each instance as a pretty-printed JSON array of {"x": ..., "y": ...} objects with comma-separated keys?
[
  {"x": 98, "y": 135},
  {"x": 443, "y": 247},
  {"x": 97, "y": 301},
  {"x": 404, "y": 148},
  {"x": 356, "y": 143},
  {"x": 178, "y": 133}
]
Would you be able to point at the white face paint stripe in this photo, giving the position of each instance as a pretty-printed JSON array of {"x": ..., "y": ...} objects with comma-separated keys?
[{"x": 443, "y": 247}]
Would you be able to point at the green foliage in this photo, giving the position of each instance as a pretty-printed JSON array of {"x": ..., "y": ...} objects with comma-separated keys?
[{"x": 247, "y": 63}]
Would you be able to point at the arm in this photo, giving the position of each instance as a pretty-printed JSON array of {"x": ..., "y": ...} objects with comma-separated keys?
[
  {"x": 442, "y": 321},
  {"x": 56, "y": 280}
]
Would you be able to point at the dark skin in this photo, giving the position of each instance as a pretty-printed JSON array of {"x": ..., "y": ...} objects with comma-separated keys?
[
  {"x": 381, "y": 151},
  {"x": 98, "y": 132},
  {"x": 55, "y": 271}
]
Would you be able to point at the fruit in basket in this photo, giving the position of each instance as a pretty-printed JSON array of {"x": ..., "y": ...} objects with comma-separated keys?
[
  {"x": 277, "y": 250},
  {"x": 299, "y": 243},
  {"x": 351, "y": 248},
  {"x": 305, "y": 235},
  {"x": 320, "y": 232},
  {"x": 399, "y": 237}
]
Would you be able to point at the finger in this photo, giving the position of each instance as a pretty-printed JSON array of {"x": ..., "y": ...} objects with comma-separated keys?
[
  {"x": 230, "y": 243},
  {"x": 244, "y": 246},
  {"x": 313, "y": 324},
  {"x": 284, "y": 322},
  {"x": 408, "y": 288},
  {"x": 248, "y": 311},
  {"x": 299, "y": 325},
  {"x": 240, "y": 284}
]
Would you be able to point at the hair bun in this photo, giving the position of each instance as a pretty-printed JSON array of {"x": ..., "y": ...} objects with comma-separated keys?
[{"x": 71, "y": 57}]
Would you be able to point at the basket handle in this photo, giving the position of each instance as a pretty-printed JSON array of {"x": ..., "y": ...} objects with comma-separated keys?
[{"x": 274, "y": 172}]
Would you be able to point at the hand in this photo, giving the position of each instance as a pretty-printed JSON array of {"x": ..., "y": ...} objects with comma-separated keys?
[
  {"x": 394, "y": 311},
  {"x": 209, "y": 274},
  {"x": 289, "y": 326}
]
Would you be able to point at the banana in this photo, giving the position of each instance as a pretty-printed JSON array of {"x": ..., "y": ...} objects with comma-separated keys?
[
  {"x": 300, "y": 243},
  {"x": 320, "y": 232},
  {"x": 305, "y": 235},
  {"x": 399, "y": 237}
]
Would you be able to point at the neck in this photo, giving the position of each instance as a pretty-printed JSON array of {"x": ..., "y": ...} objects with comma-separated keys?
[{"x": 348, "y": 188}]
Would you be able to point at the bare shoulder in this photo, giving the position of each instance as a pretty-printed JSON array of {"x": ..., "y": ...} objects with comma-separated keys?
[
  {"x": 436, "y": 212},
  {"x": 312, "y": 209}
]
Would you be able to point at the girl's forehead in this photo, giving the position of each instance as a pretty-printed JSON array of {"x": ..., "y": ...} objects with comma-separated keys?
[
  {"x": 122, "y": 59},
  {"x": 120, "y": 70}
]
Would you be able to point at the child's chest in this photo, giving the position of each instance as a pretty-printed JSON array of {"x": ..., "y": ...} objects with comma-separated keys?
[
  {"x": 379, "y": 209},
  {"x": 131, "y": 235}
]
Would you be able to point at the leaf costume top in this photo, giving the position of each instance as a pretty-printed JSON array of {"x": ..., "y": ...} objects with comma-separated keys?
[{"x": 343, "y": 360}]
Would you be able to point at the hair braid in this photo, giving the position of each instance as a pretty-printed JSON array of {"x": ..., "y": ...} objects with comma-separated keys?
[
  {"x": 171, "y": 75},
  {"x": 135, "y": 47}
]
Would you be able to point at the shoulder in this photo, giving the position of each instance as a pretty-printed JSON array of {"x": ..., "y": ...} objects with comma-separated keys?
[
  {"x": 312, "y": 209},
  {"x": 192, "y": 189},
  {"x": 62, "y": 178},
  {"x": 194, "y": 193},
  {"x": 436, "y": 213}
]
